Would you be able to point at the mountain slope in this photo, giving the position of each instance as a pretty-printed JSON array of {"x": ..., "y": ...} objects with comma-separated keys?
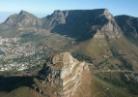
[
  {"x": 97, "y": 33},
  {"x": 129, "y": 26},
  {"x": 65, "y": 76},
  {"x": 104, "y": 62}
]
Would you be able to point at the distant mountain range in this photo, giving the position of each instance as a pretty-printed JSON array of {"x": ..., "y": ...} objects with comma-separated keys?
[
  {"x": 107, "y": 44},
  {"x": 77, "y": 23}
]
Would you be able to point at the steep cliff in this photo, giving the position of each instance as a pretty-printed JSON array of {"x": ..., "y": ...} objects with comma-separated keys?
[
  {"x": 82, "y": 24},
  {"x": 65, "y": 76}
]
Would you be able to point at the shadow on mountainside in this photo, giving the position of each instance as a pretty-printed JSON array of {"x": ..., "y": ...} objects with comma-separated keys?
[{"x": 8, "y": 84}]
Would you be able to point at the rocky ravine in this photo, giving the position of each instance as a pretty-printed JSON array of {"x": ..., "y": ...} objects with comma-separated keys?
[{"x": 64, "y": 77}]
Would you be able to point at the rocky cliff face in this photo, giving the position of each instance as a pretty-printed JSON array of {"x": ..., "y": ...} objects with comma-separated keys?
[
  {"x": 129, "y": 26},
  {"x": 66, "y": 74},
  {"x": 82, "y": 24},
  {"x": 79, "y": 24}
]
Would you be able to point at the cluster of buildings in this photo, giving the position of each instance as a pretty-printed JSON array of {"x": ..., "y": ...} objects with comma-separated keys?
[{"x": 14, "y": 66}]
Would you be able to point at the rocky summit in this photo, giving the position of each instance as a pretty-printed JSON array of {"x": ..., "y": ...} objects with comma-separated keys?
[
  {"x": 70, "y": 53},
  {"x": 65, "y": 76},
  {"x": 23, "y": 19}
]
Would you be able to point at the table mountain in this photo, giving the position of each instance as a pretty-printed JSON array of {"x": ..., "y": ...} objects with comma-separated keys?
[{"x": 82, "y": 24}]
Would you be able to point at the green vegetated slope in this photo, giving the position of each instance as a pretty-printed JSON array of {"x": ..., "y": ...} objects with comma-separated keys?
[
  {"x": 118, "y": 53},
  {"x": 119, "y": 56},
  {"x": 103, "y": 88}
]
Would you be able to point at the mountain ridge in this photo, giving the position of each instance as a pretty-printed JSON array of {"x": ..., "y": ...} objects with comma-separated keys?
[
  {"x": 73, "y": 53},
  {"x": 129, "y": 26},
  {"x": 60, "y": 22},
  {"x": 23, "y": 18}
]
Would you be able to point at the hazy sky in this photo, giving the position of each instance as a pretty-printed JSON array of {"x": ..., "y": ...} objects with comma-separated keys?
[{"x": 43, "y": 7}]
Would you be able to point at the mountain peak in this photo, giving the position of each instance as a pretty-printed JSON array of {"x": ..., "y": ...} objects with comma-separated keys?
[
  {"x": 22, "y": 19},
  {"x": 65, "y": 57},
  {"x": 107, "y": 14},
  {"x": 23, "y": 12},
  {"x": 65, "y": 73}
]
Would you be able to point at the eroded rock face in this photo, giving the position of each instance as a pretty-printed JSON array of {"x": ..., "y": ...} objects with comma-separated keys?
[
  {"x": 65, "y": 73},
  {"x": 82, "y": 24}
]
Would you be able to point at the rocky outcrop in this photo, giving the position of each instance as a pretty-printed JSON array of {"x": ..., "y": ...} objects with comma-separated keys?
[
  {"x": 57, "y": 18},
  {"x": 66, "y": 74}
]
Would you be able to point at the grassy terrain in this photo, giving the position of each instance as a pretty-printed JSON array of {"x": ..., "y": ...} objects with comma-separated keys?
[
  {"x": 20, "y": 92},
  {"x": 110, "y": 53},
  {"x": 101, "y": 88}
]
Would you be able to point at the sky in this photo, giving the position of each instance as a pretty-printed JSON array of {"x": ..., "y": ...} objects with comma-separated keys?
[{"x": 44, "y": 7}]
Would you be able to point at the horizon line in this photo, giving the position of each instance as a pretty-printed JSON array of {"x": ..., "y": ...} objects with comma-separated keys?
[{"x": 45, "y": 14}]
